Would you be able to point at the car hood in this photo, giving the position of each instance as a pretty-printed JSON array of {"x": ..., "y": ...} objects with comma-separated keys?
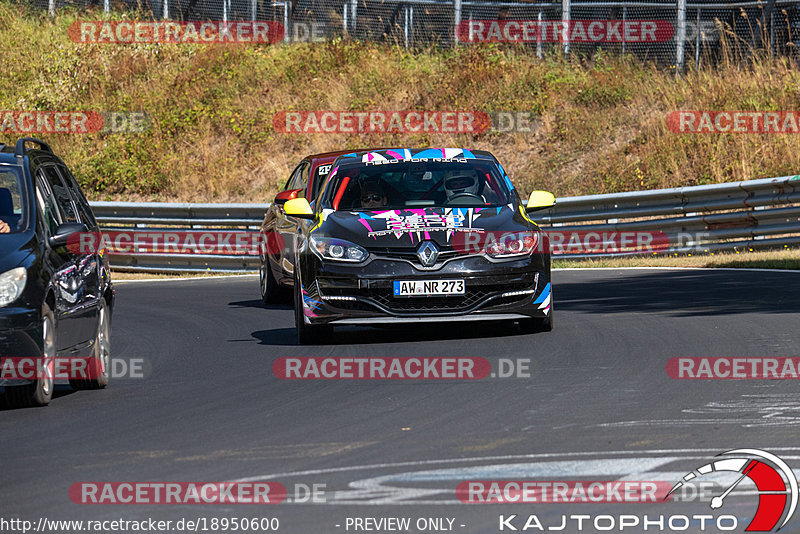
[
  {"x": 15, "y": 249},
  {"x": 407, "y": 228}
]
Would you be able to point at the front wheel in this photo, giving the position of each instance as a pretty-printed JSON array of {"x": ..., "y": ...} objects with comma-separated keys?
[
  {"x": 271, "y": 291},
  {"x": 97, "y": 371},
  {"x": 307, "y": 334},
  {"x": 39, "y": 392}
]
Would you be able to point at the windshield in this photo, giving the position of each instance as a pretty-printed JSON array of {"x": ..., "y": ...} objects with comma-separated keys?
[
  {"x": 12, "y": 216},
  {"x": 371, "y": 186}
]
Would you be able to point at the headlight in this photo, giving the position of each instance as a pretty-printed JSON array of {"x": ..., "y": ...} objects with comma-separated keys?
[
  {"x": 512, "y": 244},
  {"x": 11, "y": 285},
  {"x": 338, "y": 249}
]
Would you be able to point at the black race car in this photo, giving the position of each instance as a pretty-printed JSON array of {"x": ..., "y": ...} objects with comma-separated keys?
[
  {"x": 56, "y": 300},
  {"x": 406, "y": 235}
]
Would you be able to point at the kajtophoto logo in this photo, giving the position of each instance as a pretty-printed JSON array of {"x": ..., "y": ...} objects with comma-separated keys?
[{"x": 773, "y": 478}]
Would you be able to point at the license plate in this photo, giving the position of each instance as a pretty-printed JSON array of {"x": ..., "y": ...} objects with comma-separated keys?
[{"x": 426, "y": 288}]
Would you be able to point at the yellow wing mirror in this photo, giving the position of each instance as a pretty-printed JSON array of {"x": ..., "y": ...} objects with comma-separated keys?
[
  {"x": 298, "y": 207},
  {"x": 540, "y": 200}
]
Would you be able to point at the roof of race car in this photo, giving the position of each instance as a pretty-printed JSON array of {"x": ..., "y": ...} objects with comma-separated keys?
[{"x": 417, "y": 153}]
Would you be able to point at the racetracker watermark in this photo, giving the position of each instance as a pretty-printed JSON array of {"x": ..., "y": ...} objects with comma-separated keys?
[
  {"x": 393, "y": 122},
  {"x": 246, "y": 243},
  {"x": 743, "y": 368},
  {"x": 561, "y": 31},
  {"x": 738, "y": 122},
  {"x": 177, "y": 493},
  {"x": 381, "y": 368},
  {"x": 68, "y": 368},
  {"x": 187, "y": 32},
  {"x": 73, "y": 122},
  {"x": 562, "y": 242},
  {"x": 404, "y": 122},
  {"x": 541, "y": 491}
]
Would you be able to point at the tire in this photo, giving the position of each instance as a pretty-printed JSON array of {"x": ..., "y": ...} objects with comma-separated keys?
[
  {"x": 271, "y": 291},
  {"x": 40, "y": 391},
  {"x": 100, "y": 361},
  {"x": 308, "y": 334}
]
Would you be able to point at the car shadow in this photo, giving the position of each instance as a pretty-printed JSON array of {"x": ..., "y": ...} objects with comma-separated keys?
[
  {"x": 60, "y": 390},
  {"x": 682, "y": 293},
  {"x": 398, "y": 333},
  {"x": 258, "y": 303}
]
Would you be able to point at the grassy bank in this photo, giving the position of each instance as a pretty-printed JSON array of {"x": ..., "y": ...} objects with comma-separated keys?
[{"x": 601, "y": 120}]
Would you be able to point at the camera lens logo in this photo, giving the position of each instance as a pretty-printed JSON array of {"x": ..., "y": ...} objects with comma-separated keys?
[{"x": 773, "y": 478}]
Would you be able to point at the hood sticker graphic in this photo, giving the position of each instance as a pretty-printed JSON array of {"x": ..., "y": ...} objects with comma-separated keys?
[{"x": 418, "y": 224}]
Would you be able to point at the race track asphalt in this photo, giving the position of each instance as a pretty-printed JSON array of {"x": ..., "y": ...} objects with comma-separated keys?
[{"x": 598, "y": 403}]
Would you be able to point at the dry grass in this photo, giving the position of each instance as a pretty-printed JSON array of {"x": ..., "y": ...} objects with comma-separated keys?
[{"x": 601, "y": 121}]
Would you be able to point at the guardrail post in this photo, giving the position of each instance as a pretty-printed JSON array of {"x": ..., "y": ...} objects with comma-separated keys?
[
  {"x": 566, "y": 14},
  {"x": 681, "y": 36}
]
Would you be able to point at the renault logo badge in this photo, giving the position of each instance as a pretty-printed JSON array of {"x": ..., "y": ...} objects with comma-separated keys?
[{"x": 427, "y": 253}]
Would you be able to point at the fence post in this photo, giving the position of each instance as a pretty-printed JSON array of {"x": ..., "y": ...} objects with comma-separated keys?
[
  {"x": 286, "y": 36},
  {"x": 106, "y": 5},
  {"x": 681, "y": 37},
  {"x": 565, "y": 19},
  {"x": 539, "y": 37},
  {"x": 51, "y": 8},
  {"x": 165, "y": 10},
  {"x": 698, "y": 43},
  {"x": 353, "y": 14},
  {"x": 456, "y": 19},
  {"x": 624, "y": 25}
]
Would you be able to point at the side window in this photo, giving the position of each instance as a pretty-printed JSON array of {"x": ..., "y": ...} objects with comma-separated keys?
[
  {"x": 299, "y": 179},
  {"x": 60, "y": 193},
  {"x": 84, "y": 210},
  {"x": 51, "y": 214}
]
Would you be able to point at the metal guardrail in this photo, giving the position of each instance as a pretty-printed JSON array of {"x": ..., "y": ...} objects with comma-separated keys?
[{"x": 753, "y": 214}]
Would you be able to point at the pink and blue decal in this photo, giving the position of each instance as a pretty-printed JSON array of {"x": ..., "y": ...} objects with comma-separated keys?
[
  {"x": 309, "y": 304},
  {"x": 420, "y": 223},
  {"x": 543, "y": 300},
  {"x": 402, "y": 154}
]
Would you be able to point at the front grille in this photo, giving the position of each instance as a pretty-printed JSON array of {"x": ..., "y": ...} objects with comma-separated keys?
[
  {"x": 411, "y": 254},
  {"x": 475, "y": 296}
]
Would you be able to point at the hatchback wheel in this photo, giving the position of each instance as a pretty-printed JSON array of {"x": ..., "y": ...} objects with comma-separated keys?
[
  {"x": 39, "y": 392},
  {"x": 98, "y": 368}
]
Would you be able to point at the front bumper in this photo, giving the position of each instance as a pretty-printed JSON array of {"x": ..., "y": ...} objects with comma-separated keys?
[
  {"x": 342, "y": 294},
  {"x": 20, "y": 336}
]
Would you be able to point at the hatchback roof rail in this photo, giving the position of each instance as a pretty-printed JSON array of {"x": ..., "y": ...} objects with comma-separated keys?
[{"x": 19, "y": 149}]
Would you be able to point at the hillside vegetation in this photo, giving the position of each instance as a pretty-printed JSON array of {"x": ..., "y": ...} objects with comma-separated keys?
[{"x": 601, "y": 120}]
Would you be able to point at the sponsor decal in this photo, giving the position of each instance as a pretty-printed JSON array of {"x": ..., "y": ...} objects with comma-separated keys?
[{"x": 419, "y": 223}]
